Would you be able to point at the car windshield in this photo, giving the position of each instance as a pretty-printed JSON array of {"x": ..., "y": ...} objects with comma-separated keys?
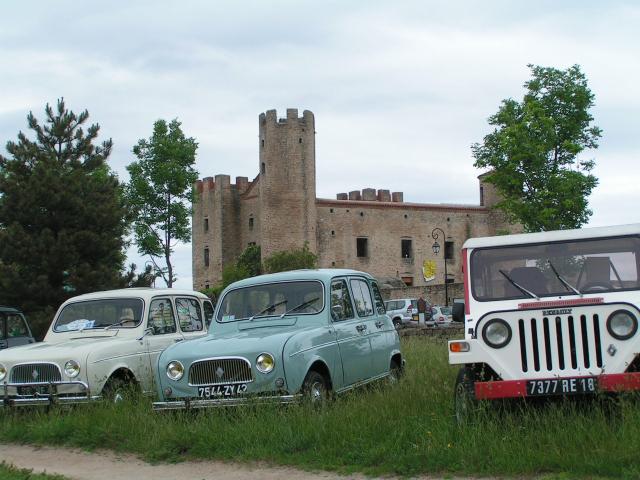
[
  {"x": 445, "y": 310},
  {"x": 559, "y": 268},
  {"x": 271, "y": 300},
  {"x": 116, "y": 312}
]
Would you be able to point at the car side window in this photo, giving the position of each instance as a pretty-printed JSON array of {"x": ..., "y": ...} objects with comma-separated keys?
[
  {"x": 362, "y": 297},
  {"x": 161, "y": 319},
  {"x": 16, "y": 326},
  {"x": 341, "y": 307},
  {"x": 208, "y": 312},
  {"x": 377, "y": 296},
  {"x": 189, "y": 314}
]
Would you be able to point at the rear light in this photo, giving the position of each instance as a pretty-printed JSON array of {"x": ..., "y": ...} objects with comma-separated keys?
[
  {"x": 409, "y": 309},
  {"x": 459, "y": 347},
  {"x": 441, "y": 319}
]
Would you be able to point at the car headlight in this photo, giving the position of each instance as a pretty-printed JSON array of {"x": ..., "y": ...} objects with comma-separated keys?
[
  {"x": 265, "y": 362},
  {"x": 175, "y": 370},
  {"x": 622, "y": 324},
  {"x": 72, "y": 368},
  {"x": 496, "y": 333},
  {"x": 3, "y": 372}
]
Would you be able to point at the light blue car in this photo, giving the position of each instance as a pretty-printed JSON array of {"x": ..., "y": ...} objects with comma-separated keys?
[{"x": 281, "y": 338}]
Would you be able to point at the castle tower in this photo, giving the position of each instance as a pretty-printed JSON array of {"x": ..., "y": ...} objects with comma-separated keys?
[{"x": 287, "y": 169}]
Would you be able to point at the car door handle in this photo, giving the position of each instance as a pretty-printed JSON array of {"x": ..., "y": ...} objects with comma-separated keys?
[
  {"x": 361, "y": 328},
  {"x": 379, "y": 324},
  {"x": 176, "y": 340}
]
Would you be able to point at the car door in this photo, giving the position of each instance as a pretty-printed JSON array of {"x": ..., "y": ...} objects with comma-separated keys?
[
  {"x": 161, "y": 321},
  {"x": 190, "y": 318},
  {"x": 382, "y": 338},
  {"x": 353, "y": 343},
  {"x": 373, "y": 324},
  {"x": 17, "y": 331}
]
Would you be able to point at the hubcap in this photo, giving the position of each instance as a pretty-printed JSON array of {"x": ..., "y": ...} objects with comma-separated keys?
[{"x": 317, "y": 392}]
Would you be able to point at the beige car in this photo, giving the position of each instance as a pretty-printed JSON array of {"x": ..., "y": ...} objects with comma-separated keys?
[{"x": 101, "y": 344}]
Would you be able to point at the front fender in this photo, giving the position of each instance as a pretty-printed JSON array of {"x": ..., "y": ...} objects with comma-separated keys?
[{"x": 301, "y": 351}]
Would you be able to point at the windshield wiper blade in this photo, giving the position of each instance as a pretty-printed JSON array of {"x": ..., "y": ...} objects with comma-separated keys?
[
  {"x": 266, "y": 309},
  {"x": 518, "y": 286},
  {"x": 302, "y": 305},
  {"x": 564, "y": 281}
]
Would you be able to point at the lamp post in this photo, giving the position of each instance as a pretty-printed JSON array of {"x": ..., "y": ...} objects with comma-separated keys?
[
  {"x": 149, "y": 263},
  {"x": 436, "y": 249}
]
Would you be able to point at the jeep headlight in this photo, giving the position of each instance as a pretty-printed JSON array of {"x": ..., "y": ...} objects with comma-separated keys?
[
  {"x": 3, "y": 372},
  {"x": 496, "y": 333},
  {"x": 265, "y": 362},
  {"x": 622, "y": 324},
  {"x": 71, "y": 369},
  {"x": 175, "y": 370}
]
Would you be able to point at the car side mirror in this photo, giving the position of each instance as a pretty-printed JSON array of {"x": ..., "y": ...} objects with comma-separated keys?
[
  {"x": 458, "y": 312},
  {"x": 336, "y": 312}
]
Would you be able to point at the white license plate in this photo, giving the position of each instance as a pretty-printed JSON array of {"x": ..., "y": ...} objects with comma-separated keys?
[
  {"x": 217, "y": 391},
  {"x": 562, "y": 386}
]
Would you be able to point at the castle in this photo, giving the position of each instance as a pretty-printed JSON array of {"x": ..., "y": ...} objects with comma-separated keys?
[{"x": 371, "y": 230}]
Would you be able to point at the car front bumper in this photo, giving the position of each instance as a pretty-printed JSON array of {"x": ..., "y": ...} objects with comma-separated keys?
[
  {"x": 195, "y": 403},
  {"x": 54, "y": 393},
  {"x": 606, "y": 383}
]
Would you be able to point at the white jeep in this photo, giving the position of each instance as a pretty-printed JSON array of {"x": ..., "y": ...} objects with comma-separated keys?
[
  {"x": 101, "y": 344},
  {"x": 551, "y": 313}
]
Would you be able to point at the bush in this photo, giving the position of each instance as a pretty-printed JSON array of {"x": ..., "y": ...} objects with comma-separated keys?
[{"x": 291, "y": 260}]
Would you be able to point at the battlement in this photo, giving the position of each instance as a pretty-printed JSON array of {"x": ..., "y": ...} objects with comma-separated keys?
[
  {"x": 271, "y": 117},
  {"x": 371, "y": 195},
  {"x": 222, "y": 181}
]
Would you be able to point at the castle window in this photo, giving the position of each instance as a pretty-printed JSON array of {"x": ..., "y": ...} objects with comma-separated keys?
[
  {"x": 263, "y": 168},
  {"x": 406, "y": 216},
  {"x": 448, "y": 249},
  {"x": 331, "y": 210},
  {"x": 206, "y": 285},
  {"x": 300, "y": 140},
  {"x": 250, "y": 223},
  {"x": 362, "y": 214},
  {"x": 251, "y": 244},
  {"x": 262, "y": 142},
  {"x": 406, "y": 249},
  {"x": 481, "y": 196},
  {"x": 333, "y": 264},
  {"x": 408, "y": 281},
  {"x": 206, "y": 256},
  {"x": 362, "y": 247},
  {"x": 333, "y": 233},
  {"x": 206, "y": 224}
]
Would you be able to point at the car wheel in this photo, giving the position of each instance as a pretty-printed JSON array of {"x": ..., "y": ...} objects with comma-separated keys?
[
  {"x": 118, "y": 390},
  {"x": 465, "y": 402},
  {"x": 397, "y": 323},
  {"x": 395, "y": 372},
  {"x": 315, "y": 389}
]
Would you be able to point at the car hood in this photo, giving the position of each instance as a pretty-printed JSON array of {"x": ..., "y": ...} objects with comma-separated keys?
[
  {"x": 73, "y": 348},
  {"x": 241, "y": 342}
]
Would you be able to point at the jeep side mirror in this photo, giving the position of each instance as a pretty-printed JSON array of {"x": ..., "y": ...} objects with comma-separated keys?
[{"x": 458, "y": 312}]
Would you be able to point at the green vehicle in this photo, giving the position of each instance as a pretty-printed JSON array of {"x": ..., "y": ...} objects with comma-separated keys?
[{"x": 281, "y": 337}]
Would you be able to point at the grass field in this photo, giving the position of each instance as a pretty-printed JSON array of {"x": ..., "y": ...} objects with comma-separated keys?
[
  {"x": 9, "y": 473},
  {"x": 406, "y": 429}
]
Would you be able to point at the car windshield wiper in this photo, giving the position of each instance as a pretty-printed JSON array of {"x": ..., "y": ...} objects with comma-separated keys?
[
  {"x": 564, "y": 281},
  {"x": 302, "y": 305},
  {"x": 518, "y": 286},
  {"x": 266, "y": 309}
]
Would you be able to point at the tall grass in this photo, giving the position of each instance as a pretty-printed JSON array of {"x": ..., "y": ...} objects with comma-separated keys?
[
  {"x": 405, "y": 429},
  {"x": 11, "y": 473}
]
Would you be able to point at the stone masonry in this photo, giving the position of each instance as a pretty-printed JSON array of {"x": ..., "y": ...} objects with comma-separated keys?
[{"x": 373, "y": 230}]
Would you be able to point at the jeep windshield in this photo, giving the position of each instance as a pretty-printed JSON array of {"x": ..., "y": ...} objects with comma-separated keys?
[
  {"x": 554, "y": 269},
  {"x": 90, "y": 314},
  {"x": 271, "y": 300}
]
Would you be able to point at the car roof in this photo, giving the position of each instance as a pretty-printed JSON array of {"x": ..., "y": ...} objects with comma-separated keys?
[
  {"x": 554, "y": 236},
  {"x": 138, "y": 292},
  {"x": 322, "y": 274},
  {"x": 9, "y": 309}
]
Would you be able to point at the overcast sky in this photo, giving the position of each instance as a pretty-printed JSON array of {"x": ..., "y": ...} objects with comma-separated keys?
[{"x": 400, "y": 90}]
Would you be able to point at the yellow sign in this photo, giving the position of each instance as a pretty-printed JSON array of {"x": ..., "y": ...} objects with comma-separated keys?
[{"x": 429, "y": 270}]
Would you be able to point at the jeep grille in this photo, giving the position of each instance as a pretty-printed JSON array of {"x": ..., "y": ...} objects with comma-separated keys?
[
  {"x": 568, "y": 342},
  {"x": 220, "y": 371},
  {"x": 35, "y": 373}
]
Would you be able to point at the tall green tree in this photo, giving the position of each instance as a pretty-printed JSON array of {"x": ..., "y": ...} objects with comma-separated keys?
[
  {"x": 62, "y": 213},
  {"x": 534, "y": 151},
  {"x": 160, "y": 192},
  {"x": 291, "y": 260}
]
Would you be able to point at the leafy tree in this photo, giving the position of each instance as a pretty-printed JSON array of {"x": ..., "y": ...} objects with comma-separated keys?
[
  {"x": 291, "y": 260},
  {"x": 533, "y": 152},
  {"x": 132, "y": 279},
  {"x": 250, "y": 260},
  {"x": 160, "y": 192},
  {"x": 62, "y": 214}
]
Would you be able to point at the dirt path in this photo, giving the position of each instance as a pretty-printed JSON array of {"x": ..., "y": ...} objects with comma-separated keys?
[{"x": 79, "y": 465}]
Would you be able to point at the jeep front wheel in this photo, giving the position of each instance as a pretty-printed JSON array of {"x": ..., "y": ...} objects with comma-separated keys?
[{"x": 465, "y": 402}]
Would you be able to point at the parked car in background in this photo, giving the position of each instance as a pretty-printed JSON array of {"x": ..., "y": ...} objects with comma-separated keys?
[
  {"x": 441, "y": 316},
  {"x": 102, "y": 344},
  {"x": 14, "y": 329},
  {"x": 401, "y": 310},
  {"x": 281, "y": 337}
]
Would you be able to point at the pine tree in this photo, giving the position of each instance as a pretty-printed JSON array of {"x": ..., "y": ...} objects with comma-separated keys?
[{"x": 62, "y": 214}]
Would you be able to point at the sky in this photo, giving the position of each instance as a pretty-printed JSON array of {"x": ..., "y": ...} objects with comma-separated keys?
[{"x": 400, "y": 90}]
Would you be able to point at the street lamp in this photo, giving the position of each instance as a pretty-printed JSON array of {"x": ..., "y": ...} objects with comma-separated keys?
[
  {"x": 149, "y": 263},
  {"x": 436, "y": 249}
]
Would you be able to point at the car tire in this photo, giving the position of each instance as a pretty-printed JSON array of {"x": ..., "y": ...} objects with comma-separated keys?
[
  {"x": 397, "y": 323},
  {"x": 315, "y": 389},
  {"x": 118, "y": 390},
  {"x": 395, "y": 372},
  {"x": 465, "y": 402}
]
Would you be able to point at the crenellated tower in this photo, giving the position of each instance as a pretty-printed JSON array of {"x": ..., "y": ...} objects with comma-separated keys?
[{"x": 287, "y": 196}]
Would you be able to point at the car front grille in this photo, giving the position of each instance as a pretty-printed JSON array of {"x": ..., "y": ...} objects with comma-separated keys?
[
  {"x": 565, "y": 342},
  {"x": 35, "y": 373},
  {"x": 219, "y": 371}
]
